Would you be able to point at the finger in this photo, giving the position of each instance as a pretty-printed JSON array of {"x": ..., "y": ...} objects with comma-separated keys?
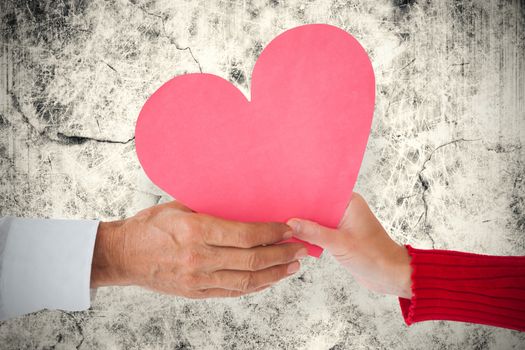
[
  {"x": 224, "y": 293},
  {"x": 227, "y": 233},
  {"x": 258, "y": 258},
  {"x": 314, "y": 233},
  {"x": 245, "y": 281}
]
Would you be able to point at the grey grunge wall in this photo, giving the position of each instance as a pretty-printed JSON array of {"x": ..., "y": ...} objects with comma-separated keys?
[{"x": 444, "y": 166}]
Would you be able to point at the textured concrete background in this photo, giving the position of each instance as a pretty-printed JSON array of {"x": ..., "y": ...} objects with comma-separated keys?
[{"x": 444, "y": 168}]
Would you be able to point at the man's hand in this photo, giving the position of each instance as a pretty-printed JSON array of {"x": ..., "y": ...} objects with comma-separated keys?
[
  {"x": 362, "y": 245},
  {"x": 171, "y": 249}
]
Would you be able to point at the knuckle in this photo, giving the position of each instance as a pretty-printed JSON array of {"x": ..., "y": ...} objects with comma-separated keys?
[
  {"x": 277, "y": 228},
  {"x": 285, "y": 255},
  {"x": 188, "y": 225},
  {"x": 278, "y": 273},
  {"x": 254, "y": 261},
  {"x": 208, "y": 234},
  {"x": 247, "y": 282},
  {"x": 244, "y": 240}
]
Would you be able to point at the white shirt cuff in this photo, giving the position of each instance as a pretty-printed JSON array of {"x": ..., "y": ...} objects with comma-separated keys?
[{"x": 45, "y": 264}]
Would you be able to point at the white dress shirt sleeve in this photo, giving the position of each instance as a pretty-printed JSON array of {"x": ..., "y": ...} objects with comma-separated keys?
[{"x": 45, "y": 264}]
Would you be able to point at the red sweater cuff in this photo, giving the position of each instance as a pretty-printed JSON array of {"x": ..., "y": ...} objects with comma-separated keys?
[{"x": 456, "y": 286}]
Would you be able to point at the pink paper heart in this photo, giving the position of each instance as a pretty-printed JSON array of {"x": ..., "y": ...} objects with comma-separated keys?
[{"x": 294, "y": 150}]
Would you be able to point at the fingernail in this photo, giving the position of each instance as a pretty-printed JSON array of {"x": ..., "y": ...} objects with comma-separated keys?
[
  {"x": 288, "y": 234},
  {"x": 295, "y": 225},
  {"x": 301, "y": 254},
  {"x": 293, "y": 267}
]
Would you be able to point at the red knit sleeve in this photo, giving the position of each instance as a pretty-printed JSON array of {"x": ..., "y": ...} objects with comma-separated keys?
[{"x": 456, "y": 286}]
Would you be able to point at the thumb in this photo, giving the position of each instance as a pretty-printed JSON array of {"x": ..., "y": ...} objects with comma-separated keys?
[{"x": 314, "y": 233}]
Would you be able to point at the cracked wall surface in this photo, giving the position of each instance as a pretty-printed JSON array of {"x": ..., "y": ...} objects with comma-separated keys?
[{"x": 444, "y": 167}]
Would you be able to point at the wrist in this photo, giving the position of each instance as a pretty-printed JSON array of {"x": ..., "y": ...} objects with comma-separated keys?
[
  {"x": 403, "y": 273},
  {"x": 105, "y": 269},
  {"x": 396, "y": 271}
]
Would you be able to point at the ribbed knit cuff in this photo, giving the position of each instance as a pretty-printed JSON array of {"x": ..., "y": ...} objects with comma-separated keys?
[{"x": 456, "y": 286}]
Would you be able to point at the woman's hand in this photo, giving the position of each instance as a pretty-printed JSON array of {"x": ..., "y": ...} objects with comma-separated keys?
[
  {"x": 171, "y": 249},
  {"x": 362, "y": 245}
]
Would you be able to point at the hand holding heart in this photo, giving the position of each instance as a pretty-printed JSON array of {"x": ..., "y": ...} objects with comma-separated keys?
[
  {"x": 363, "y": 247},
  {"x": 171, "y": 249}
]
